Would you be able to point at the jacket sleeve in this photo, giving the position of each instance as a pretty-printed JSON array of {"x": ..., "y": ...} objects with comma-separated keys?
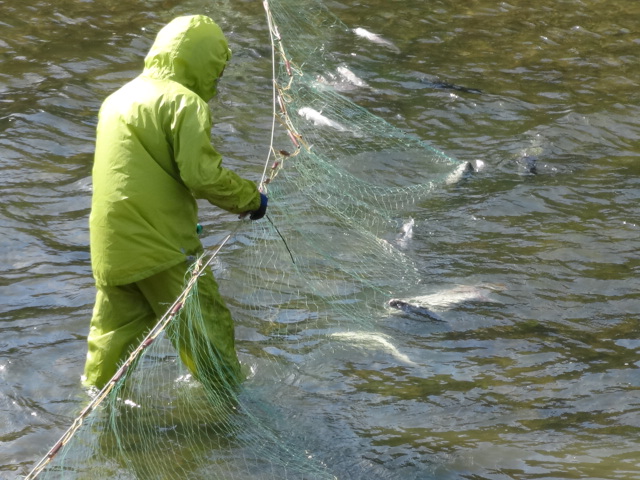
[{"x": 200, "y": 165}]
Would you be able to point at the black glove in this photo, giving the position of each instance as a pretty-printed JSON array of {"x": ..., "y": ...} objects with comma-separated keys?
[{"x": 258, "y": 214}]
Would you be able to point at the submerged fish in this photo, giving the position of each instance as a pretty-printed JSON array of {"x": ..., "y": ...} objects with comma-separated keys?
[
  {"x": 423, "y": 305},
  {"x": 464, "y": 170},
  {"x": 318, "y": 119},
  {"x": 406, "y": 233},
  {"x": 526, "y": 159},
  {"x": 375, "y": 38},
  {"x": 343, "y": 80},
  {"x": 414, "y": 309},
  {"x": 528, "y": 163},
  {"x": 351, "y": 77},
  {"x": 374, "y": 340}
]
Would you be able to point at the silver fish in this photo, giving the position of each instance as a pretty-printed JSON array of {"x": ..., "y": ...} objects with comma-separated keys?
[
  {"x": 465, "y": 169},
  {"x": 351, "y": 77},
  {"x": 375, "y": 38},
  {"x": 374, "y": 340},
  {"x": 318, "y": 119},
  {"x": 414, "y": 309},
  {"x": 446, "y": 299},
  {"x": 343, "y": 80},
  {"x": 406, "y": 233}
]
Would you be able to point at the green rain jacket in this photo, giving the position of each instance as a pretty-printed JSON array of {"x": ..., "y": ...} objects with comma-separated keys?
[{"x": 154, "y": 157}]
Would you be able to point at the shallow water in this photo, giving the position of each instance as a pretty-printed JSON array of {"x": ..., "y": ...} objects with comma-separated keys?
[{"x": 541, "y": 382}]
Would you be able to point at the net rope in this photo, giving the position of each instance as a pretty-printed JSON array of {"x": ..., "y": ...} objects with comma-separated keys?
[{"x": 322, "y": 265}]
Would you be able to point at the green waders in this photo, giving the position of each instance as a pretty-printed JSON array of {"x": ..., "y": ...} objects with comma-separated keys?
[{"x": 123, "y": 315}]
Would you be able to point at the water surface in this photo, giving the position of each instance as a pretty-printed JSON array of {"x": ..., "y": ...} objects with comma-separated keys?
[{"x": 541, "y": 382}]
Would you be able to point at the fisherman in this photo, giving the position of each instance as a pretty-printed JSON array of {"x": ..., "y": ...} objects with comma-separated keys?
[{"x": 153, "y": 159}]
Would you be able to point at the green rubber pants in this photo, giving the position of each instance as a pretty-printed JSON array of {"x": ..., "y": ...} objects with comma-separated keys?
[{"x": 123, "y": 315}]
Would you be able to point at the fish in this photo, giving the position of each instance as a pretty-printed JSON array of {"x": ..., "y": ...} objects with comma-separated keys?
[
  {"x": 528, "y": 163},
  {"x": 414, "y": 309},
  {"x": 464, "y": 170},
  {"x": 445, "y": 299},
  {"x": 459, "y": 173},
  {"x": 350, "y": 77},
  {"x": 375, "y": 38},
  {"x": 527, "y": 158},
  {"x": 319, "y": 120},
  {"x": 406, "y": 233},
  {"x": 374, "y": 340},
  {"x": 343, "y": 80},
  {"x": 477, "y": 165}
]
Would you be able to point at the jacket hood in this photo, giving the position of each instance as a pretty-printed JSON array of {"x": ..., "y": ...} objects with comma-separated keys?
[{"x": 190, "y": 50}]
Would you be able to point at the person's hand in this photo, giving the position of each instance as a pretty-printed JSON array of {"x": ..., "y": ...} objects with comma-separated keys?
[{"x": 258, "y": 214}]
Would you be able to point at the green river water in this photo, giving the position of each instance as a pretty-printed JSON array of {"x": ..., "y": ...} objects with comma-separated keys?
[{"x": 542, "y": 383}]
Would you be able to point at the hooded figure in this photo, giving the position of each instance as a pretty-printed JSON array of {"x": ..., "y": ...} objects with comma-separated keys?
[{"x": 153, "y": 159}]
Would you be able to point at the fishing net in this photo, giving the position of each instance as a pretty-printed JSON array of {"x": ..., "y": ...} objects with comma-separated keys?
[{"x": 318, "y": 273}]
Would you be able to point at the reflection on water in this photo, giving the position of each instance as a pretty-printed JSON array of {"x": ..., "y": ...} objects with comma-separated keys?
[{"x": 543, "y": 382}]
